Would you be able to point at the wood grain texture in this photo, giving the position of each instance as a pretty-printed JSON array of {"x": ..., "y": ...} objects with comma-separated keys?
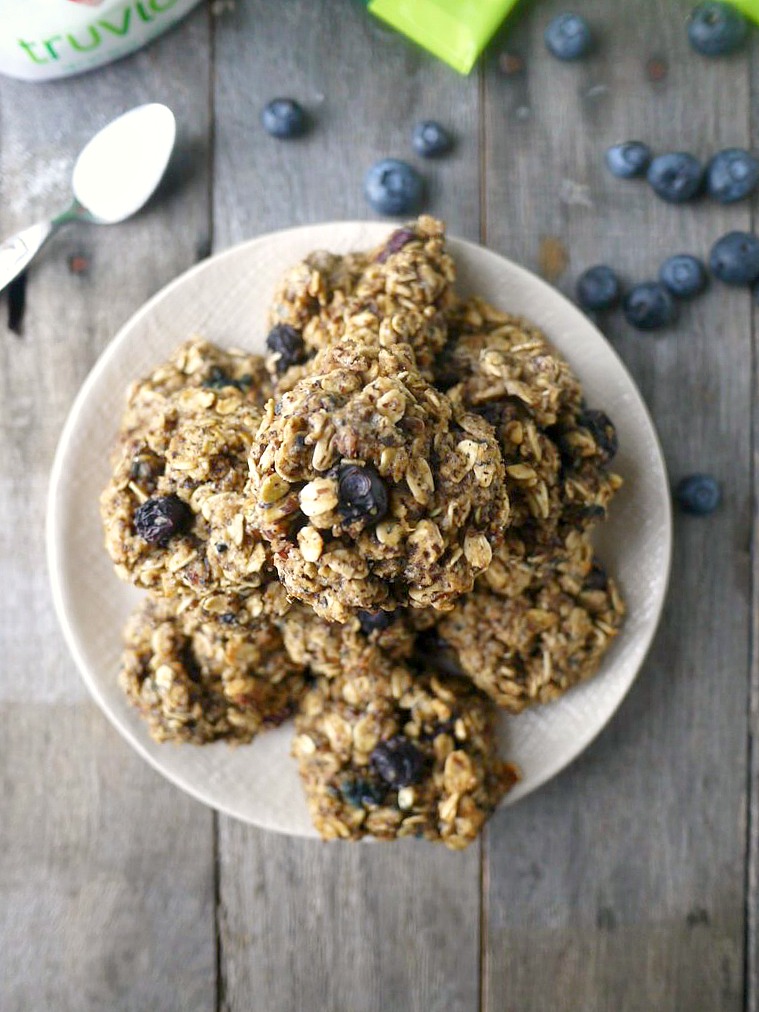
[
  {"x": 752, "y": 877},
  {"x": 363, "y": 87},
  {"x": 106, "y": 871},
  {"x": 311, "y": 925},
  {"x": 620, "y": 885},
  {"x": 305, "y": 925}
]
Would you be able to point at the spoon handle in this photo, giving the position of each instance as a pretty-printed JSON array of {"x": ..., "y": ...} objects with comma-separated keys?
[{"x": 18, "y": 250}]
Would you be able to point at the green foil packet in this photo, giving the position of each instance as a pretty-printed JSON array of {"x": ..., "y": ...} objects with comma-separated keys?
[
  {"x": 456, "y": 31},
  {"x": 749, "y": 7}
]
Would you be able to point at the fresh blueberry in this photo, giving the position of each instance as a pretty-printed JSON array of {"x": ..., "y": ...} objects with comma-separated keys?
[
  {"x": 629, "y": 159},
  {"x": 393, "y": 187},
  {"x": 698, "y": 494},
  {"x": 649, "y": 306},
  {"x": 602, "y": 431},
  {"x": 716, "y": 28},
  {"x": 732, "y": 175},
  {"x": 598, "y": 288},
  {"x": 287, "y": 344},
  {"x": 676, "y": 177},
  {"x": 568, "y": 37},
  {"x": 361, "y": 492},
  {"x": 398, "y": 762},
  {"x": 734, "y": 258},
  {"x": 684, "y": 275},
  {"x": 160, "y": 518},
  {"x": 430, "y": 139},
  {"x": 284, "y": 118}
]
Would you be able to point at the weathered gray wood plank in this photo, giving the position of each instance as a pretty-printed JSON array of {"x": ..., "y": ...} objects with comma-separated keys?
[
  {"x": 105, "y": 877},
  {"x": 106, "y": 871},
  {"x": 620, "y": 885},
  {"x": 752, "y": 878},
  {"x": 311, "y": 925},
  {"x": 305, "y": 925},
  {"x": 364, "y": 88}
]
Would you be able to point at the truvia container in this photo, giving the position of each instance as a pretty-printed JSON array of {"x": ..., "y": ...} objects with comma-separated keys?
[{"x": 44, "y": 39}]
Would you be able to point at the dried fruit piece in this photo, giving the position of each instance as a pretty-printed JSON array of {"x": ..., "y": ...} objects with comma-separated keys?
[
  {"x": 160, "y": 518},
  {"x": 286, "y": 344},
  {"x": 362, "y": 494},
  {"x": 398, "y": 762}
]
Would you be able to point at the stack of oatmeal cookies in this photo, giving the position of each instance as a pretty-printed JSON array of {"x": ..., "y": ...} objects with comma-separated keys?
[{"x": 381, "y": 528}]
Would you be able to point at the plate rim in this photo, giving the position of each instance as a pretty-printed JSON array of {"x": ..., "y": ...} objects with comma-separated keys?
[{"x": 53, "y": 542}]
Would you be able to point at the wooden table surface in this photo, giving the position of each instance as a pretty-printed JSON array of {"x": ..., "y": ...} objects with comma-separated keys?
[{"x": 627, "y": 883}]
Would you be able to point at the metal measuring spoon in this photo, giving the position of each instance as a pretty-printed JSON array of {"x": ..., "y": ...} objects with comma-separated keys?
[{"x": 114, "y": 175}]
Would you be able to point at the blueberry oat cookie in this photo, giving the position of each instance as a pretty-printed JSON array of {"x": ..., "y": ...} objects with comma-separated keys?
[
  {"x": 308, "y": 311},
  {"x": 406, "y": 291},
  {"x": 528, "y": 557},
  {"x": 199, "y": 679},
  {"x": 373, "y": 491},
  {"x": 388, "y": 754},
  {"x": 532, "y": 646},
  {"x": 172, "y": 510},
  {"x": 587, "y": 442},
  {"x": 491, "y": 356},
  {"x": 556, "y": 450},
  {"x": 397, "y": 293},
  {"x": 327, "y": 648}
]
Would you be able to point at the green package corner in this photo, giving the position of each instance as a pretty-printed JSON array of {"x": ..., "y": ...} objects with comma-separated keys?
[
  {"x": 456, "y": 31},
  {"x": 749, "y": 7}
]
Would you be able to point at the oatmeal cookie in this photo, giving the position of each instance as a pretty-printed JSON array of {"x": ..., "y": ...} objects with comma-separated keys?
[
  {"x": 587, "y": 442},
  {"x": 173, "y": 508},
  {"x": 399, "y": 292},
  {"x": 374, "y": 492},
  {"x": 556, "y": 450},
  {"x": 197, "y": 679},
  {"x": 328, "y": 648},
  {"x": 528, "y": 557},
  {"x": 531, "y": 647},
  {"x": 492, "y": 355},
  {"x": 308, "y": 310},
  {"x": 406, "y": 291},
  {"x": 533, "y": 463},
  {"x": 388, "y": 754}
]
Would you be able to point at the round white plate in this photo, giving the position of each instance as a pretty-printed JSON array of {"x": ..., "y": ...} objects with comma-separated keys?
[{"x": 225, "y": 299}]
